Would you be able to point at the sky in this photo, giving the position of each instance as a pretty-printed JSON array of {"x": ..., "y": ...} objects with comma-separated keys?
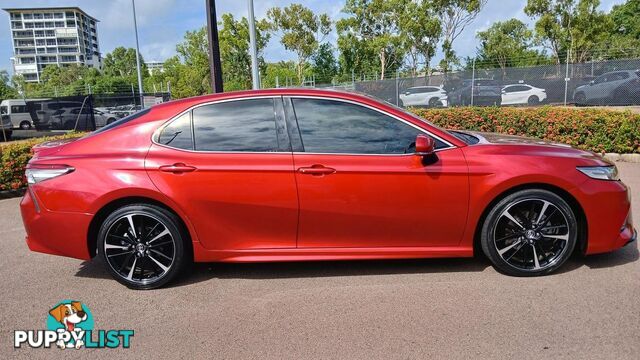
[{"x": 162, "y": 23}]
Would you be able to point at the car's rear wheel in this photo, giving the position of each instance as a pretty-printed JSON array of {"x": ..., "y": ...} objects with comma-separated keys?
[
  {"x": 530, "y": 232},
  {"x": 533, "y": 100},
  {"x": 580, "y": 99},
  {"x": 25, "y": 125},
  {"x": 434, "y": 102},
  {"x": 142, "y": 246}
]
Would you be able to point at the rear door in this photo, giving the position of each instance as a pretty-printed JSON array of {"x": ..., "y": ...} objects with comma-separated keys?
[
  {"x": 229, "y": 166},
  {"x": 361, "y": 186}
]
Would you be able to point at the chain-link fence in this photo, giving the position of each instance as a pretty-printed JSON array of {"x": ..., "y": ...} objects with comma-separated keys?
[
  {"x": 44, "y": 112},
  {"x": 610, "y": 82}
]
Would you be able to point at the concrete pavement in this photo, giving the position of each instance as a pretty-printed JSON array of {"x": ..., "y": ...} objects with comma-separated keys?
[{"x": 457, "y": 308}]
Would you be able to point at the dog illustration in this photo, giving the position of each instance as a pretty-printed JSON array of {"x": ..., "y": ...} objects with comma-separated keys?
[{"x": 69, "y": 315}]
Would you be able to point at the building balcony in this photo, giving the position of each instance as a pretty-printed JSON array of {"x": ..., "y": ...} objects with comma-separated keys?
[
  {"x": 26, "y": 68},
  {"x": 62, "y": 33}
]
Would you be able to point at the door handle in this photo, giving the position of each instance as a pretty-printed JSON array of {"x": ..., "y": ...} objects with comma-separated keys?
[
  {"x": 177, "y": 168},
  {"x": 317, "y": 170}
]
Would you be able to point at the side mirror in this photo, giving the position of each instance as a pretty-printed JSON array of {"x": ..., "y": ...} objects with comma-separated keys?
[{"x": 424, "y": 145}]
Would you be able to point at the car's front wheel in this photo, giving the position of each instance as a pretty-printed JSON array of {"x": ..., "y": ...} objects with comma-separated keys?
[
  {"x": 530, "y": 232},
  {"x": 142, "y": 246}
]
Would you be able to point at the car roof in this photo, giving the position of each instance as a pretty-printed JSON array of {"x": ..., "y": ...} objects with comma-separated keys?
[{"x": 331, "y": 93}]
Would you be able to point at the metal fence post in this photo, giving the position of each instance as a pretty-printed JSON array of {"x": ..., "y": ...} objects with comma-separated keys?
[
  {"x": 397, "y": 89},
  {"x": 566, "y": 80},
  {"x": 473, "y": 78},
  {"x": 277, "y": 82}
]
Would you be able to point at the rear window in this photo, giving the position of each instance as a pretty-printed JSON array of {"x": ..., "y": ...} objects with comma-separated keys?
[{"x": 122, "y": 121}]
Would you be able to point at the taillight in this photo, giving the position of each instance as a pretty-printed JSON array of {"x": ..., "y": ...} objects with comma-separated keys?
[{"x": 38, "y": 173}]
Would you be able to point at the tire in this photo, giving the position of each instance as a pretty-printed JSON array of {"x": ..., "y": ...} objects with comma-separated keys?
[
  {"x": 533, "y": 100},
  {"x": 110, "y": 120},
  {"x": 150, "y": 259},
  {"x": 580, "y": 99},
  {"x": 25, "y": 125},
  {"x": 434, "y": 102},
  {"x": 524, "y": 248}
]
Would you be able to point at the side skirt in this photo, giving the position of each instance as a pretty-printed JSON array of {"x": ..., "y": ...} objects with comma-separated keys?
[{"x": 323, "y": 254}]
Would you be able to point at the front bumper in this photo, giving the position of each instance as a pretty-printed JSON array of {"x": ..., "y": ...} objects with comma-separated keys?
[
  {"x": 607, "y": 207},
  {"x": 54, "y": 232}
]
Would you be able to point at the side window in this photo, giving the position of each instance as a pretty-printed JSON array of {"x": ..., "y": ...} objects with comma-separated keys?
[
  {"x": 600, "y": 79},
  {"x": 328, "y": 126},
  {"x": 178, "y": 133},
  {"x": 15, "y": 109},
  {"x": 241, "y": 125}
]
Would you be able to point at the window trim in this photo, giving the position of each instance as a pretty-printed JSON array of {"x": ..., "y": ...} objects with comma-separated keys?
[
  {"x": 156, "y": 133},
  {"x": 428, "y": 133},
  {"x": 284, "y": 98}
]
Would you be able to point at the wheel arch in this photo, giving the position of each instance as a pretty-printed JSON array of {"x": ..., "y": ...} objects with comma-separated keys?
[
  {"x": 565, "y": 195},
  {"x": 108, "y": 208}
]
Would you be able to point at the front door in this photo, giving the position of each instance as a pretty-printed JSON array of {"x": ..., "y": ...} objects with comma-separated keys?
[
  {"x": 229, "y": 166},
  {"x": 360, "y": 185}
]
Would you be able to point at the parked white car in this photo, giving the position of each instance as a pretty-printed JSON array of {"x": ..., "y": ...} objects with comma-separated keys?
[
  {"x": 432, "y": 96},
  {"x": 522, "y": 94}
]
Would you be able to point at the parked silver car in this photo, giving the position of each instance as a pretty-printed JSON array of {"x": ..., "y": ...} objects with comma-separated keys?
[{"x": 612, "y": 88}]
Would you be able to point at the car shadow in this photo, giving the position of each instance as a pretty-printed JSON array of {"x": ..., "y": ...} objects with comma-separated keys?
[
  {"x": 622, "y": 256},
  {"x": 201, "y": 272}
]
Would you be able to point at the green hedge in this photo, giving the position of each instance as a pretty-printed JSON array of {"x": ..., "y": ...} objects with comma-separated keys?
[
  {"x": 598, "y": 130},
  {"x": 14, "y": 157}
]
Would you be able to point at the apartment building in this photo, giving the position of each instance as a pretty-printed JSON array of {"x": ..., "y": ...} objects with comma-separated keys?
[{"x": 52, "y": 36}]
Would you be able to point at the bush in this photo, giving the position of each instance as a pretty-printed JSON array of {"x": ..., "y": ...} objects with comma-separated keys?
[
  {"x": 14, "y": 157},
  {"x": 598, "y": 130}
]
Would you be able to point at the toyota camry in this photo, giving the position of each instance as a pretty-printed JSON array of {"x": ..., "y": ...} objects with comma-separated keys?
[{"x": 302, "y": 174}]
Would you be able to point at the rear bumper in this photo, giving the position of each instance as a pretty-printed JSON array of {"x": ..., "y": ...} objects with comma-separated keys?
[
  {"x": 487, "y": 100},
  {"x": 54, "y": 232}
]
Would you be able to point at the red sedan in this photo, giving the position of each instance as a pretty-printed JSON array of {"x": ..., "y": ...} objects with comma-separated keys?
[{"x": 291, "y": 175}]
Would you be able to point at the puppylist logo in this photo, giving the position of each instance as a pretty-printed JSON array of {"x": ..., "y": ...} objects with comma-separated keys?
[{"x": 70, "y": 326}]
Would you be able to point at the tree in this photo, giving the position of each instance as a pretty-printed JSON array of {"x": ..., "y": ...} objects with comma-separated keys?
[
  {"x": 280, "y": 74},
  {"x": 455, "y": 15},
  {"x": 6, "y": 90},
  {"x": 421, "y": 30},
  {"x": 302, "y": 30},
  {"x": 573, "y": 27},
  {"x": 122, "y": 62},
  {"x": 375, "y": 24},
  {"x": 507, "y": 44},
  {"x": 234, "y": 50},
  {"x": 355, "y": 56},
  {"x": 626, "y": 20},
  {"x": 324, "y": 63}
]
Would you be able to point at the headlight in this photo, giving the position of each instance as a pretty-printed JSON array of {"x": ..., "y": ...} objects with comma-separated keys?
[
  {"x": 600, "y": 172},
  {"x": 37, "y": 174}
]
